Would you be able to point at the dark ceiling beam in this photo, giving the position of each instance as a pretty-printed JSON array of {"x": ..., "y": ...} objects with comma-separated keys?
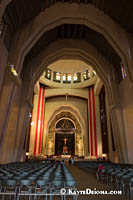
[
  {"x": 62, "y": 32},
  {"x": 69, "y": 31},
  {"x": 74, "y": 31},
  {"x": 81, "y": 32},
  {"x": 119, "y": 10}
]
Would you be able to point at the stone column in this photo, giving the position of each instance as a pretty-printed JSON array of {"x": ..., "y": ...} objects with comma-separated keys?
[
  {"x": 23, "y": 124},
  {"x": 128, "y": 122},
  {"x": 15, "y": 130},
  {"x": 111, "y": 153},
  {"x": 98, "y": 126},
  {"x": 119, "y": 133},
  {"x": 6, "y": 101},
  {"x": 33, "y": 125},
  {"x": 3, "y": 61},
  {"x": 6, "y": 153}
]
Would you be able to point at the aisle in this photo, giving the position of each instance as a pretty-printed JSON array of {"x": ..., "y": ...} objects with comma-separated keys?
[{"x": 85, "y": 180}]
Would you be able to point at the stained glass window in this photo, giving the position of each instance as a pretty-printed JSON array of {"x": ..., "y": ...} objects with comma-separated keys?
[{"x": 123, "y": 71}]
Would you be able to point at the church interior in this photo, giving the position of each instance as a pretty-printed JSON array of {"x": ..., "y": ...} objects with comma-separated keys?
[{"x": 66, "y": 98}]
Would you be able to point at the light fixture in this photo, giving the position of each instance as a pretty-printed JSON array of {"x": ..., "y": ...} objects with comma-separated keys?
[
  {"x": 13, "y": 73},
  {"x": 31, "y": 123}
]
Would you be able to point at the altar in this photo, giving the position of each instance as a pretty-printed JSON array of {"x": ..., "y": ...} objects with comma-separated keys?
[{"x": 65, "y": 156}]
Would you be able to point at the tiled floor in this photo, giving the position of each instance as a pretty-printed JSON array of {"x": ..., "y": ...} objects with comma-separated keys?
[{"x": 86, "y": 180}]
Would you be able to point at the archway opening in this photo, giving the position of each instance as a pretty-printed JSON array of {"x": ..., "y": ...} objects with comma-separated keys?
[{"x": 65, "y": 138}]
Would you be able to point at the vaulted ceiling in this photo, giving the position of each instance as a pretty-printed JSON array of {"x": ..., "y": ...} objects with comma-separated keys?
[
  {"x": 80, "y": 32},
  {"x": 21, "y": 12}
]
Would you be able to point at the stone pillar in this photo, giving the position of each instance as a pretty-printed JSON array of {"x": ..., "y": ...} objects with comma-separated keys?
[
  {"x": 82, "y": 77},
  {"x": 6, "y": 153},
  {"x": 23, "y": 124},
  {"x": 128, "y": 122},
  {"x": 3, "y": 61},
  {"x": 116, "y": 116},
  {"x": 111, "y": 153},
  {"x": 98, "y": 127},
  {"x": 33, "y": 125},
  {"x": 6, "y": 101},
  {"x": 119, "y": 133},
  {"x": 15, "y": 129}
]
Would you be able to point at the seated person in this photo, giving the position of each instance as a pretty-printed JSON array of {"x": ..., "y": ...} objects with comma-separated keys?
[{"x": 100, "y": 171}]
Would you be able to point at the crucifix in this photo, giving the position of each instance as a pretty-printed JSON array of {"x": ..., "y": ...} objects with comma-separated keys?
[
  {"x": 65, "y": 148},
  {"x": 65, "y": 140}
]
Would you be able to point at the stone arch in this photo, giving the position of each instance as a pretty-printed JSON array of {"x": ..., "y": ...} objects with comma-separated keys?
[
  {"x": 98, "y": 62},
  {"x": 88, "y": 54},
  {"x": 120, "y": 45},
  {"x": 59, "y": 114},
  {"x": 3, "y": 5},
  {"x": 39, "y": 26},
  {"x": 76, "y": 49}
]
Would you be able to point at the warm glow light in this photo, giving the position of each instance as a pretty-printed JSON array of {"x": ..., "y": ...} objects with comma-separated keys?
[
  {"x": 31, "y": 123},
  {"x": 94, "y": 72},
  {"x": 64, "y": 77},
  {"x": 13, "y": 70},
  {"x": 75, "y": 77},
  {"x": 58, "y": 76},
  {"x": 69, "y": 77}
]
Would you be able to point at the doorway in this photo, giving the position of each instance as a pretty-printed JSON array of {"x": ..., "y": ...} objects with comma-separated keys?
[{"x": 60, "y": 145}]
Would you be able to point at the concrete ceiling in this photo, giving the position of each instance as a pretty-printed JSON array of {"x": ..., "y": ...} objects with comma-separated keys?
[{"x": 69, "y": 66}]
